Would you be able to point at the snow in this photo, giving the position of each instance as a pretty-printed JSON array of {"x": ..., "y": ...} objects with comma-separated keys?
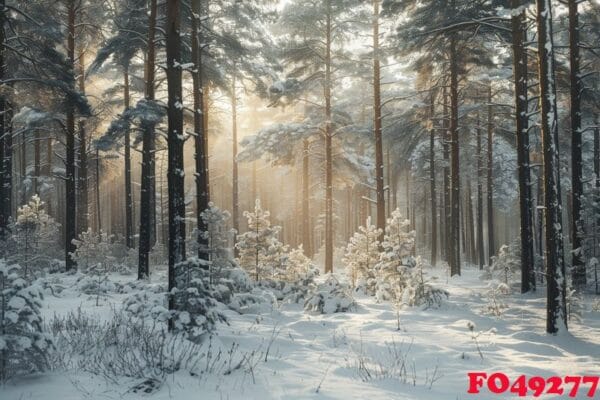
[{"x": 296, "y": 355}]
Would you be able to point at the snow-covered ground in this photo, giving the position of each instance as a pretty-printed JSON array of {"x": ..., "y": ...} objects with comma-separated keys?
[{"x": 290, "y": 354}]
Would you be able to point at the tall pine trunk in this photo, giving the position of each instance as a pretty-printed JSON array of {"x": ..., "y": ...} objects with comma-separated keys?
[
  {"x": 129, "y": 228},
  {"x": 235, "y": 196},
  {"x": 175, "y": 141},
  {"x": 480, "y": 246},
  {"x": 70, "y": 184},
  {"x": 446, "y": 150},
  {"x": 306, "y": 237},
  {"x": 455, "y": 162},
  {"x": 148, "y": 145},
  {"x": 434, "y": 249},
  {"x": 82, "y": 176},
  {"x": 200, "y": 133},
  {"x": 519, "y": 38},
  {"x": 379, "y": 184},
  {"x": 579, "y": 278},
  {"x": 328, "y": 148},
  {"x": 490, "y": 177},
  {"x": 555, "y": 267}
]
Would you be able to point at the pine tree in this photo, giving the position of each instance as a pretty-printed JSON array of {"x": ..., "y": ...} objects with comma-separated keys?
[
  {"x": 23, "y": 345},
  {"x": 556, "y": 318},
  {"x": 259, "y": 249},
  {"x": 396, "y": 258},
  {"x": 362, "y": 255},
  {"x": 35, "y": 237}
]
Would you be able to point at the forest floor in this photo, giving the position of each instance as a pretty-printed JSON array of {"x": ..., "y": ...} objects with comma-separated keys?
[{"x": 355, "y": 355}]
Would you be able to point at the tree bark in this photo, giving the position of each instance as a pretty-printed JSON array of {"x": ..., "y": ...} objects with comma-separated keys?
[
  {"x": 328, "y": 148},
  {"x": 455, "y": 161},
  {"x": 490, "y": 177},
  {"x": 82, "y": 177},
  {"x": 306, "y": 237},
  {"x": 447, "y": 207},
  {"x": 433, "y": 239},
  {"x": 480, "y": 247},
  {"x": 379, "y": 183},
  {"x": 235, "y": 196},
  {"x": 70, "y": 185},
  {"x": 577, "y": 226},
  {"x": 175, "y": 139},
  {"x": 148, "y": 145},
  {"x": 200, "y": 156},
  {"x": 519, "y": 38},
  {"x": 556, "y": 316},
  {"x": 129, "y": 228}
]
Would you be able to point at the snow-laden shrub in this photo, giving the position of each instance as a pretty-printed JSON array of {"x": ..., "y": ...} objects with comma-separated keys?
[
  {"x": 195, "y": 306},
  {"x": 34, "y": 243},
  {"x": 147, "y": 306},
  {"x": 299, "y": 267},
  {"x": 419, "y": 292},
  {"x": 362, "y": 253},
  {"x": 495, "y": 296},
  {"x": 506, "y": 266},
  {"x": 575, "y": 305},
  {"x": 93, "y": 251},
  {"x": 396, "y": 259},
  {"x": 122, "y": 347},
  {"x": 329, "y": 297},
  {"x": 23, "y": 345},
  {"x": 261, "y": 253}
]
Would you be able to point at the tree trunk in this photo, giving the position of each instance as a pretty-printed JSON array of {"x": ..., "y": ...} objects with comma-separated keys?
[
  {"x": 432, "y": 185},
  {"x": 519, "y": 37},
  {"x": 306, "y": 236},
  {"x": 454, "y": 147},
  {"x": 379, "y": 183},
  {"x": 235, "y": 196},
  {"x": 148, "y": 145},
  {"x": 98, "y": 206},
  {"x": 555, "y": 268},
  {"x": 480, "y": 247},
  {"x": 328, "y": 149},
  {"x": 175, "y": 146},
  {"x": 36, "y": 163},
  {"x": 490, "y": 178},
  {"x": 447, "y": 209},
  {"x": 200, "y": 156},
  {"x": 82, "y": 177},
  {"x": 70, "y": 186},
  {"x": 470, "y": 224},
  {"x": 129, "y": 228},
  {"x": 577, "y": 233}
]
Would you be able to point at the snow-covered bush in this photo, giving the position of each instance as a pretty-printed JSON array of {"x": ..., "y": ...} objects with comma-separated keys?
[
  {"x": 35, "y": 238},
  {"x": 122, "y": 347},
  {"x": 261, "y": 253},
  {"x": 329, "y": 297},
  {"x": 396, "y": 258},
  {"x": 507, "y": 263},
  {"x": 362, "y": 253},
  {"x": 419, "y": 292},
  {"x": 93, "y": 250},
  {"x": 195, "y": 308},
  {"x": 23, "y": 346},
  {"x": 574, "y": 304},
  {"x": 298, "y": 267},
  {"x": 495, "y": 299}
]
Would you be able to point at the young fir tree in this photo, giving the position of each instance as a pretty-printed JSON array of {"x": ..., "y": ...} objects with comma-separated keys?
[
  {"x": 259, "y": 249},
  {"x": 35, "y": 237},
  {"x": 396, "y": 257},
  {"x": 362, "y": 254},
  {"x": 23, "y": 345}
]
